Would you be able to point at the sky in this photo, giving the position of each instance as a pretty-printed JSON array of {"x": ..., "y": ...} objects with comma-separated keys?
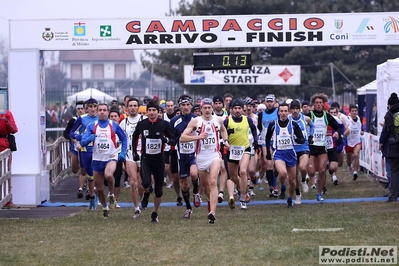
[{"x": 81, "y": 9}]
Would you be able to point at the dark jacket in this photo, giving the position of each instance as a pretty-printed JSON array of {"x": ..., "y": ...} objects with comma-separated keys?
[{"x": 393, "y": 146}]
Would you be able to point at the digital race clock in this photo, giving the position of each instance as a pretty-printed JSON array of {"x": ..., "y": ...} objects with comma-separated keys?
[{"x": 222, "y": 60}]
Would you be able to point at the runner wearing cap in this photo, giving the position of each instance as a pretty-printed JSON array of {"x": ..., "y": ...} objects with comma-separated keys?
[
  {"x": 264, "y": 119},
  {"x": 219, "y": 111},
  {"x": 238, "y": 126},
  {"x": 153, "y": 133},
  {"x": 186, "y": 154},
  {"x": 205, "y": 130}
]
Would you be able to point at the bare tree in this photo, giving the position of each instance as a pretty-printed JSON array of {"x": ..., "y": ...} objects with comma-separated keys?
[{"x": 3, "y": 63}]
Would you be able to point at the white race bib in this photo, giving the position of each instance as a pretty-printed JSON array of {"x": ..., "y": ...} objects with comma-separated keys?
[
  {"x": 329, "y": 142},
  {"x": 236, "y": 152},
  {"x": 187, "y": 147},
  {"x": 153, "y": 146}
]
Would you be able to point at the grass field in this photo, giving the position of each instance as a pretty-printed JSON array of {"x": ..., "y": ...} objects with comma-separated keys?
[{"x": 260, "y": 235}]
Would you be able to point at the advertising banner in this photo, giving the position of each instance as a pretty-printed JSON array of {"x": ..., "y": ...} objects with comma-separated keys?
[
  {"x": 370, "y": 156},
  {"x": 257, "y": 75},
  {"x": 207, "y": 31}
]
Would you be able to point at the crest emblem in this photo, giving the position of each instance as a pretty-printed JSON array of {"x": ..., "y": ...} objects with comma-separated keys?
[{"x": 47, "y": 35}]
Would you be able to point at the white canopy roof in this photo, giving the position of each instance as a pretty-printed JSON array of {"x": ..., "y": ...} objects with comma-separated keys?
[
  {"x": 90, "y": 93},
  {"x": 370, "y": 88}
]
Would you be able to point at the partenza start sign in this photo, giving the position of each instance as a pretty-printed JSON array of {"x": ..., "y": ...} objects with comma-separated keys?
[
  {"x": 207, "y": 32},
  {"x": 257, "y": 75}
]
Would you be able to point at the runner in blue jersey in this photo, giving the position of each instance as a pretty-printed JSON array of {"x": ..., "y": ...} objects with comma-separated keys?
[
  {"x": 86, "y": 152},
  {"x": 285, "y": 133},
  {"x": 75, "y": 147},
  {"x": 186, "y": 154},
  {"x": 302, "y": 150},
  {"x": 264, "y": 119},
  {"x": 103, "y": 134}
]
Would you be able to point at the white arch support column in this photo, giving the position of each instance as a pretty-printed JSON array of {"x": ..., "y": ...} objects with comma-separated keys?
[{"x": 30, "y": 182}]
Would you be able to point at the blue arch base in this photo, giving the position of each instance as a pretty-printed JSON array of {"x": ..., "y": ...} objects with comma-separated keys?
[{"x": 253, "y": 202}]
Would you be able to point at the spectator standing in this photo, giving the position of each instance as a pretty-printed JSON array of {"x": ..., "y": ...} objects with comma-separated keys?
[{"x": 7, "y": 126}]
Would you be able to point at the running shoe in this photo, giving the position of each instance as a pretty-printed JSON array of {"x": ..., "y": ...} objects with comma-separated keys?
[
  {"x": 307, "y": 178},
  {"x": 305, "y": 187},
  {"x": 275, "y": 192},
  {"x": 282, "y": 194},
  {"x": 144, "y": 200},
  {"x": 112, "y": 202},
  {"x": 197, "y": 200},
  {"x": 231, "y": 202},
  {"x": 243, "y": 205},
  {"x": 179, "y": 201},
  {"x": 117, "y": 205},
  {"x": 289, "y": 203},
  {"x": 247, "y": 198},
  {"x": 169, "y": 186},
  {"x": 355, "y": 175},
  {"x": 211, "y": 217},
  {"x": 298, "y": 199},
  {"x": 251, "y": 192},
  {"x": 319, "y": 197},
  {"x": 220, "y": 197},
  {"x": 105, "y": 212},
  {"x": 87, "y": 196},
  {"x": 188, "y": 213},
  {"x": 154, "y": 218},
  {"x": 314, "y": 187},
  {"x": 334, "y": 180},
  {"x": 137, "y": 213},
  {"x": 127, "y": 184},
  {"x": 80, "y": 193},
  {"x": 93, "y": 204},
  {"x": 271, "y": 192}
]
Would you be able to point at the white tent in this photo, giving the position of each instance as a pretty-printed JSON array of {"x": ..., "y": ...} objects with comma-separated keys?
[
  {"x": 100, "y": 96},
  {"x": 369, "y": 88}
]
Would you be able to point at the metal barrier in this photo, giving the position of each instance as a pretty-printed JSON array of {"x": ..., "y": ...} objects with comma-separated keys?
[
  {"x": 58, "y": 160},
  {"x": 5, "y": 175}
]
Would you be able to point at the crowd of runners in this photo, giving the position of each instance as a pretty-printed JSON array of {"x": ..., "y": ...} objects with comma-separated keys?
[{"x": 210, "y": 147}]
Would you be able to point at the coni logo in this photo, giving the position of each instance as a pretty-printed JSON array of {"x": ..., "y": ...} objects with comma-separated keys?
[{"x": 391, "y": 24}]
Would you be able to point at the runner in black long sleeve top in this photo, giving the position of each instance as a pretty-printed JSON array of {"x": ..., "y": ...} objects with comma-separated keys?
[{"x": 154, "y": 134}]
